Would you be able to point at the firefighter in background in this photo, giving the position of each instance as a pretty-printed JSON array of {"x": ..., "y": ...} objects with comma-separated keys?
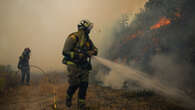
[
  {"x": 77, "y": 52},
  {"x": 24, "y": 66}
]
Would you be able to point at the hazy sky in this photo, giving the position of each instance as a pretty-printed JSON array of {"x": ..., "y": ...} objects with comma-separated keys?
[{"x": 43, "y": 26}]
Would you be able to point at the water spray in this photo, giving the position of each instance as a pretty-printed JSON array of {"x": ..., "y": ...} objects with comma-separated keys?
[{"x": 144, "y": 80}]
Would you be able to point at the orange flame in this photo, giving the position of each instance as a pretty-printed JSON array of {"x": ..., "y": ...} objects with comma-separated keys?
[
  {"x": 133, "y": 36},
  {"x": 178, "y": 15},
  {"x": 163, "y": 22}
]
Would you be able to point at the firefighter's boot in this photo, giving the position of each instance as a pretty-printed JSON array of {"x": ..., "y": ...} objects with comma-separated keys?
[
  {"x": 82, "y": 105},
  {"x": 68, "y": 101}
]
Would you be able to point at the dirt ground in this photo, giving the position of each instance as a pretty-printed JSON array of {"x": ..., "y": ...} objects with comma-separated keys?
[{"x": 43, "y": 95}]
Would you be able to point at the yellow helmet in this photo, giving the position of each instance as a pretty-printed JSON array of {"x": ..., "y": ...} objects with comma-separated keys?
[{"x": 85, "y": 25}]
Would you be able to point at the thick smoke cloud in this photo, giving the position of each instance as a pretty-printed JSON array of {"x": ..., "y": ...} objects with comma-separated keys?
[
  {"x": 43, "y": 26},
  {"x": 159, "y": 41},
  {"x": 155, "y": 51}
]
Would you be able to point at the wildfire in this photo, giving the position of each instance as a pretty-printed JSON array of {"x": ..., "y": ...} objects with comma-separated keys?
[
  {"x": 133, "y": 36},
  {"x": 178, "y": 14},
  {"x": 162, "y": 22}
]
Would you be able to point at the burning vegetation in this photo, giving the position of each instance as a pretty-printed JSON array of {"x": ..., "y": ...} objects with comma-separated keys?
[
  {"x": 163, "y": 22},
  {"x": 159, "y": 41},
  {"x": 164, "y": 27}
]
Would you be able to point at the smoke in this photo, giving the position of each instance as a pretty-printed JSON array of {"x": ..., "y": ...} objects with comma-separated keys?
[
  {"x": 166, "y": 52},
  {"x": 43, "y": 26},
  {"x": 120, "y": 73},
  {"x": 157, "y": 49},
  {"x": 167, "y": 70},
  {"x": 164, "y": 69}
]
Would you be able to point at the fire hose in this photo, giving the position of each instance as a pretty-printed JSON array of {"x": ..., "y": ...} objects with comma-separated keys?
[
  {"x": 34, "y": 66},
  {"x": 54, "y": 90}
]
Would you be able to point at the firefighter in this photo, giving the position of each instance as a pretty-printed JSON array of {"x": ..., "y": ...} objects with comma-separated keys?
[
  {"x": 24, "y": 66},
  {"x": 77, "y": 52}
]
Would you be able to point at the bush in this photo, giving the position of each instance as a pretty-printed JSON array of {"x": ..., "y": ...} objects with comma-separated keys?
[{"x": 8, "y": 78}]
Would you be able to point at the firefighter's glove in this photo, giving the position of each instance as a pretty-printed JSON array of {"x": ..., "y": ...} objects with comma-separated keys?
[
  {"x": 19, "y": 67},
  {"x": 81, "y": 55},
  {"x": 91, "y": 53}
]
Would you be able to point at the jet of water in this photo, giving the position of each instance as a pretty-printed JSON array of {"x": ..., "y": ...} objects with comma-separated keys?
[{"x": 146, "y": 81}]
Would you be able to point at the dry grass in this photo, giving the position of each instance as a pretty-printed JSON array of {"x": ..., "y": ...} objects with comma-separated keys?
[
  {"x": 41, "y": 97},
  {"x": 9, "y": 79}
]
